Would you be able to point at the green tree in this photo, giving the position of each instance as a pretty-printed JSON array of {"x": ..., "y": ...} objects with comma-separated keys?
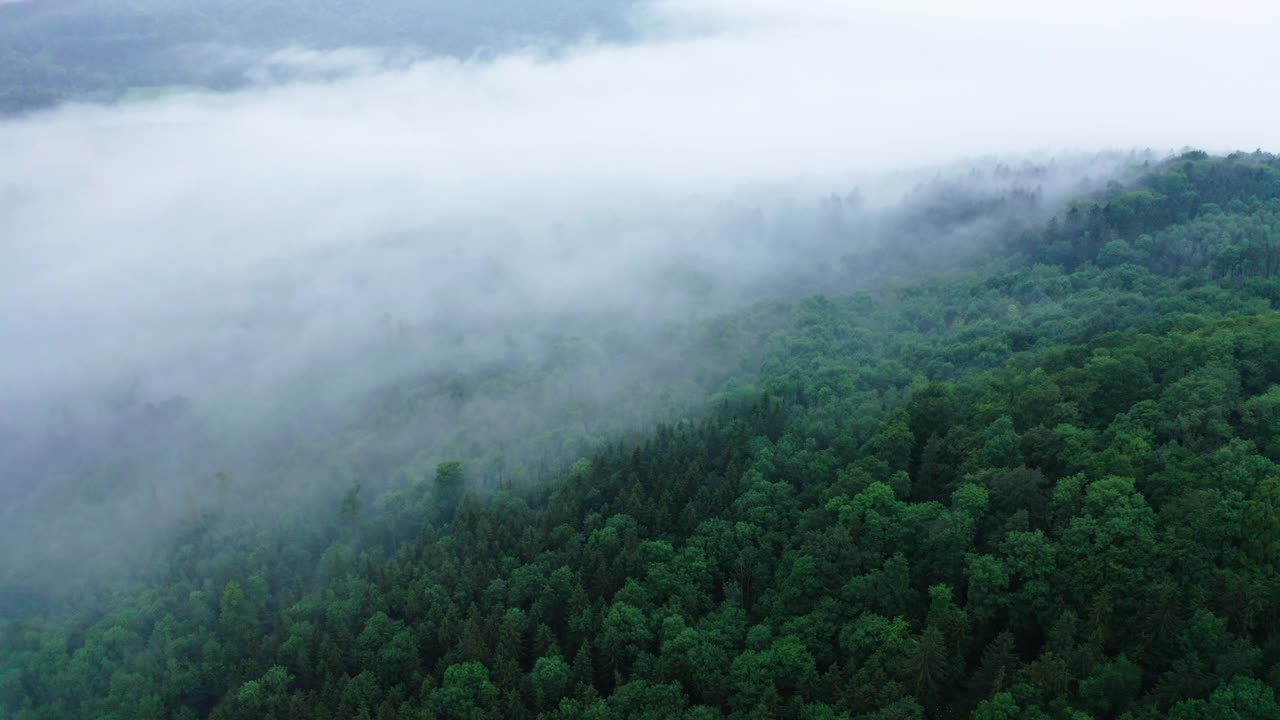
[
  {"x": 550, "y": 680},
  {"x": 466, "y": 693}
]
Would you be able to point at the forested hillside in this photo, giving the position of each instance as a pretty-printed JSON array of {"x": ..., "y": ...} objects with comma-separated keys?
[{"x": 1045, "y": 485}]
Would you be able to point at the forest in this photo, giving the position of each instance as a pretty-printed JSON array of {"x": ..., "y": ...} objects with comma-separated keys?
[
  {"x": 53, "y": 51},
  {"x": 1043, "y": 483}
]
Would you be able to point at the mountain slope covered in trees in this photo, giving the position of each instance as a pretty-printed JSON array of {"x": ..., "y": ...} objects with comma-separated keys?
[{"x": 1044, "y": 487}]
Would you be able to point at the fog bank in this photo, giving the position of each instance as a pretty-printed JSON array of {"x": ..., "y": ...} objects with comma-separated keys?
[{"x": 192, "y": 279}]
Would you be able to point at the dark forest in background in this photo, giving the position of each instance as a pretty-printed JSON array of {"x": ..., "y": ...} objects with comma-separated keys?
[{"x": 56, "y": 50}]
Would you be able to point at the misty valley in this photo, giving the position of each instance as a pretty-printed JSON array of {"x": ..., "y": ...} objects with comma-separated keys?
[{"x": 440, "y": 361}]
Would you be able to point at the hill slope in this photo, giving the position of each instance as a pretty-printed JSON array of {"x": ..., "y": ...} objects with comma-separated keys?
[{"x": 1046, "y": 487}]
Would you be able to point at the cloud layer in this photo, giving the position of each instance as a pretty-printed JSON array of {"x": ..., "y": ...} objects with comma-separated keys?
[{"x": 124, "y": 227}]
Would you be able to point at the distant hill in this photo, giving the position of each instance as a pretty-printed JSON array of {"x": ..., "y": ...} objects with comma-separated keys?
[{"x": 55, "y": 50}]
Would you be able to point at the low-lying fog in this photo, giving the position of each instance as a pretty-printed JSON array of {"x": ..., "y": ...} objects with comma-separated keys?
[{"x": 193, "y": 281}]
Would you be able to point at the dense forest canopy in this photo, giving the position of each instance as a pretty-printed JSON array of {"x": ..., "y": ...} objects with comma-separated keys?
[
  {"x": 572, "y": 359},
  {"x": 1043, "y": 484}
]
